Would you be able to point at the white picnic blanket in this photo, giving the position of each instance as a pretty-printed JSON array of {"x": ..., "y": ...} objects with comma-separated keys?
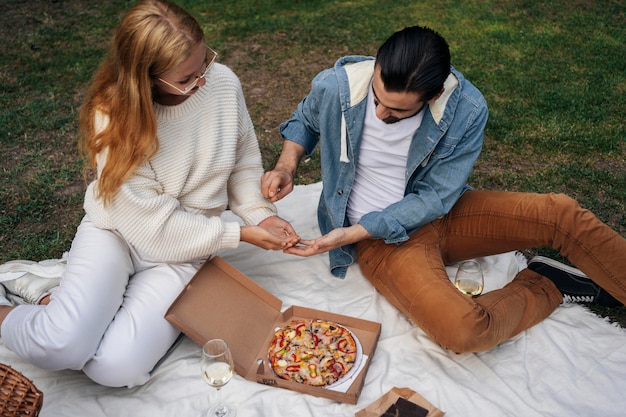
[{"x": 572, "y": 364}]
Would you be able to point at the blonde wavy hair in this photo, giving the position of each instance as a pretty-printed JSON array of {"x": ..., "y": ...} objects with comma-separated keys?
[{"x": 153, "y": 37}]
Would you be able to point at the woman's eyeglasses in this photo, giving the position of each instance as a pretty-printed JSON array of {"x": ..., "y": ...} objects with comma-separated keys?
[{"x": 211, "y": 55}]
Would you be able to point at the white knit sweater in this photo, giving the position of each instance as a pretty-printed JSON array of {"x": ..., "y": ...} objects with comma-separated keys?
[{"x": 208, "y": 160}]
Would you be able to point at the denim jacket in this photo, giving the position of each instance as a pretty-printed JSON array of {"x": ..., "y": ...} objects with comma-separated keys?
[{"x": 441, "y": 155}]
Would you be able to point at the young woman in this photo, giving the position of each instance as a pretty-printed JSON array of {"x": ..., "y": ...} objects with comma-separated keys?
[{"x": 168, "y": 130}]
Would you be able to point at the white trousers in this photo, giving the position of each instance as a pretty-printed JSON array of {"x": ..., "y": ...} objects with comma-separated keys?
[{"x": 107, "y": 316}]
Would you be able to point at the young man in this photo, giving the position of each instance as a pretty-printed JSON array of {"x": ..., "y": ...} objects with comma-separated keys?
[{"x": 399, "y": 136}]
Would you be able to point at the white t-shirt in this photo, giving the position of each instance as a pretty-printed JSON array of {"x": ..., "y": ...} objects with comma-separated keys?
[{"x": 380, "y": 172}]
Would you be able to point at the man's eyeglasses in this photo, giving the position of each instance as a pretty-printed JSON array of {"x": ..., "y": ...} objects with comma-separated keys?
[{"x": 210, "y": 58}]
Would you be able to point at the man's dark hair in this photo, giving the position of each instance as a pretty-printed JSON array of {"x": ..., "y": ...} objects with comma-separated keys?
[{"x": 415, "y": 59}]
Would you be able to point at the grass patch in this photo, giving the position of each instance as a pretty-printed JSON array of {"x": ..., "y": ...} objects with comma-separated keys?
[{"x": 552, "y": 73}]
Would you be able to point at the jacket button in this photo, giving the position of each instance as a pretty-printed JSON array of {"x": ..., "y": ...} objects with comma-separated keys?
[{"x": 340, "y": 192}]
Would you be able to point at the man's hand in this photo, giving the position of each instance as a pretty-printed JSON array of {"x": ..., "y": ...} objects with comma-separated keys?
[
  {"x": 278, "y": 183},
  {"x": 334, "y": 239}
]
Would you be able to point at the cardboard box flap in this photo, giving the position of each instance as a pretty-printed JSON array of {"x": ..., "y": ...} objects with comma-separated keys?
[
  {"x": 222, "y": 302},
  {"x": 226, "y": 317}
]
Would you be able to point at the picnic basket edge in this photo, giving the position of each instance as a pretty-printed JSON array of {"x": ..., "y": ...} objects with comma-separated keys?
[{"x": 18, "y": 395}]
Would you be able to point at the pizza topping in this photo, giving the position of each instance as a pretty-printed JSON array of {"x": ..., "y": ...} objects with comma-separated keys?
[{"x": 342, "y": 346}]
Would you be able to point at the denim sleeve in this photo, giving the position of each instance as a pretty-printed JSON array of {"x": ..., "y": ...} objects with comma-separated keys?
[
  {"x": 436, "y": 186},
  {"x": 304, "y": 125}
]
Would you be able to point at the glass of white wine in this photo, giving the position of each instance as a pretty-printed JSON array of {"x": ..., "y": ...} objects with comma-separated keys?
[
  {"x": 469, "y": 278},
  {"x": 217, "y": 369}
]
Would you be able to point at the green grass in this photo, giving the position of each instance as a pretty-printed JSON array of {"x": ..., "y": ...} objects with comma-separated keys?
[{"x": 552, "y": 73}]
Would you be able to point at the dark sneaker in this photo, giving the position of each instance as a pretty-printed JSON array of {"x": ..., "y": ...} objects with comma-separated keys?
[{"x": 575, "y": 286}]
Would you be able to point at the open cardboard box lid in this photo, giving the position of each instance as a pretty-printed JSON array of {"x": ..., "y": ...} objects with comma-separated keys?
[{"x": 221, "y": 302}]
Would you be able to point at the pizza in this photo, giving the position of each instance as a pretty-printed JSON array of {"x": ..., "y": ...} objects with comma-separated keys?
[{"x": 312, "y": 352}]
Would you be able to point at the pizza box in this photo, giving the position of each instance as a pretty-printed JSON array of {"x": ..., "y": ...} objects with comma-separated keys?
[{"x": 222, "y": 302}]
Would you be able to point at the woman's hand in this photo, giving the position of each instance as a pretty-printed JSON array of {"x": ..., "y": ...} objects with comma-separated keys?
[
  {"x": 272, "y": 233},
  {"x": 282, "y": 229}
]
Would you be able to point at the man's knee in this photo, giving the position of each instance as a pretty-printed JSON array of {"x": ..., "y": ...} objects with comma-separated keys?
[
  {"x": 464, "y": 342},
  {"x": 463, "y": 335}
]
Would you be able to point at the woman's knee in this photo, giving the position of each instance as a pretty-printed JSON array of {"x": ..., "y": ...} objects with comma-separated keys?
[
  {"x": 62, "y": 350},
  {"x": 116, "y": 372}
]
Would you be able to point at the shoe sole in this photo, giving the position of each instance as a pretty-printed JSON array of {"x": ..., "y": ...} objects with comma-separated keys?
[{"x": 558, "y": 265}]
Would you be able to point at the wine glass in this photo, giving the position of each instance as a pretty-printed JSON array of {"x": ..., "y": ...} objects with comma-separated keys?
[
  {"x": 469, "y": 278},
  {"x": 217, "y": 369}
]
